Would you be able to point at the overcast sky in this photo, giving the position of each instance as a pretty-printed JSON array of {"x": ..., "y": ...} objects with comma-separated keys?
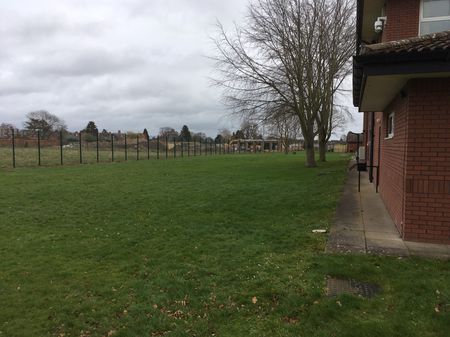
[{"x": 125, "y": 64}]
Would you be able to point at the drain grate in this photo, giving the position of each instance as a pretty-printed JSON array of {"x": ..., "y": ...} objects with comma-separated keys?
[{"x": 337, "y": 287}]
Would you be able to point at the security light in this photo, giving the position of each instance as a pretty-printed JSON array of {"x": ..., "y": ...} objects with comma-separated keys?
[{"x": 379, "y": 24}]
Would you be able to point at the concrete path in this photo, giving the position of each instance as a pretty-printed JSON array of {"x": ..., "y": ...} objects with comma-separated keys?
[{"x": 363, "y": 225}]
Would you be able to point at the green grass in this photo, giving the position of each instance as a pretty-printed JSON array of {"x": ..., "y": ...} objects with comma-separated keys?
[
  {"x": 51, "y": 156},
  {"x": 180, "y": 248},
  {"x": 28, "y": 156}
]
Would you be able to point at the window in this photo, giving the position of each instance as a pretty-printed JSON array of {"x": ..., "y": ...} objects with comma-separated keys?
[
  {"x": 435, "y": 16},
  {"x": 390, "y": 125}
]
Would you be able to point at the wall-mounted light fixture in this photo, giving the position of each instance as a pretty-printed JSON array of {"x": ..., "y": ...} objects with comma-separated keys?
[{"x": 379, "y": 24}]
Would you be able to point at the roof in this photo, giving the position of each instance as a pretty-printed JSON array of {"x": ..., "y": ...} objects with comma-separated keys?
[
  {"x": 431, "y": 42},
  {"x": 427, "y": 53}
]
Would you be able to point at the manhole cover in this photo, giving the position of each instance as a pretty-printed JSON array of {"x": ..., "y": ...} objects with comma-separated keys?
[{"x": 337, "y": 287}]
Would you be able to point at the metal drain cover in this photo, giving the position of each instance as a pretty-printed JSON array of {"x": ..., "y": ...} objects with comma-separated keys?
[{"x": 337, "y": 287}]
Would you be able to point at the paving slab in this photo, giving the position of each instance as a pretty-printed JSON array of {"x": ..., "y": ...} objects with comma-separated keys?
[
  {"x": 362, "y": 224},
  {"x": 382, "y": 236},
  {"x": 387, "y": 247},
  {"x": 428, "y": 250}
]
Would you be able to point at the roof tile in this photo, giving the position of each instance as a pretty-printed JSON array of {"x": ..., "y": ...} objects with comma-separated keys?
[{"x": 436, "y": 41}]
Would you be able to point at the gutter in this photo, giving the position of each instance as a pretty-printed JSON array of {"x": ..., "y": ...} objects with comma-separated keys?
[
  {"x": 359, "y": 15},
  {"x": 372, "y": 138},
  {"x": 400, "y": 63}
]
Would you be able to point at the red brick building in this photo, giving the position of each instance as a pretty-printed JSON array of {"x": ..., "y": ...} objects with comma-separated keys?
[{"x": 402, "y": 84}]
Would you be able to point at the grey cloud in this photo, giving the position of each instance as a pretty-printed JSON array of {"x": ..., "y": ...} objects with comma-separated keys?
[
  {"x": 84, "y": 62},
  {"x": 126, "y": 64}
]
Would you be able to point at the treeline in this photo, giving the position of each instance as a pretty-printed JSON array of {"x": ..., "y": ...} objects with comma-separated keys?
[{"x": 48, "y": 126}]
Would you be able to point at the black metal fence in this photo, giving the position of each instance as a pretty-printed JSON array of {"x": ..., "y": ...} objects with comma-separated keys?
[{"x": 18, "y": 150}]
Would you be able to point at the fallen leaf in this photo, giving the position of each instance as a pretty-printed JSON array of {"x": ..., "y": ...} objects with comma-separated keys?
[
  {"x": 290, "y": 320},
  {"x": 339, "y": 303},
  {"x": 254, "y": 300}
]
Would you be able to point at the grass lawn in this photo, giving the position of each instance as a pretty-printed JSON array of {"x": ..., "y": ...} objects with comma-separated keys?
[
  {"x": 51, "y": 155},
  {"x": 206, "y": 246}
]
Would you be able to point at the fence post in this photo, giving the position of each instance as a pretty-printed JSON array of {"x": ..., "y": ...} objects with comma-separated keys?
[
  {"x": 80, "y": 145},
  {"x": 200, "y": 147},
  {"x": 137, "y": 147},
  {"x": 13, "y": 148},
  {"x": 126, "y": 148},
  {"x": 157, "y": 147},
  {"x": 167, "y": 147},
  {"x": 239, "y": 146},
  {"x": 174, "y": 148},
  {"x": 112, "y": 147},
  {"x": 61, "y": 147},
  {"x": 39, "y": 147},
  {"x": 195, "y": 148},
  {"x": 182, "y": 148},
  {"x": 148, "y": 147},
  {"x": 96, "y": 139}
]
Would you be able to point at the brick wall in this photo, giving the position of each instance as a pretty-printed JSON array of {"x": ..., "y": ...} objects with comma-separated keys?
[
  {"x": 402, "y": 19},
  {"x": 427, "y": 198},
  {"x": 389, "y": 155},
  {"x": 366, "y": 134},
  {"x": 392, "y": 157}
]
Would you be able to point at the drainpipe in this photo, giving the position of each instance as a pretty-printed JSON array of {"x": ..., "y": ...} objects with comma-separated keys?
[{"x": 372, "y": 138}]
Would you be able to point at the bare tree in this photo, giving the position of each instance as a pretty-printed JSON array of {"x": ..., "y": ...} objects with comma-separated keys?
[
  {"x": 168, "y": 132},
  {"x": 338, "y": 23},
  {"x": 279, "y": 60},
  {"x": 250, "y": 129},
  {"x": 44, "y": 122},
  {"x": 225, "y": 134},
  {"x": 286, "y": 127}
]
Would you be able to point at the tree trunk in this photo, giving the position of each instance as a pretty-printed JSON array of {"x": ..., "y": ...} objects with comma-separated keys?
[
  {"x": 322, "y": 151},
  {"x": 310, "y": 153},
  {"x": 286, "y": 147},
  {"x": 322, "y": 147}
]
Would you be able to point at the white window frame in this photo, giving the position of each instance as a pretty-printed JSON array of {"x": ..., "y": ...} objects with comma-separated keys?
[
  {"x": 433, "y": 19},
  {"x": 390, "y": 133}
]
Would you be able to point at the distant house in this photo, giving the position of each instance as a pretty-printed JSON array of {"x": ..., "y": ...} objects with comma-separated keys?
[
  {"x": 354, "y": 142},
  {"x": 337, "y": 146},
  {"x": 6, "y": 131},
  {"x": 402, "y": 84}
]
